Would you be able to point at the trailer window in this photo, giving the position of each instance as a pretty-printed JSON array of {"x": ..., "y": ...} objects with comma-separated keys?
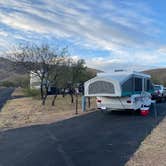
[
  {"x": 148, "y": 85},
  {"x": 128, "y": 86},
  {"x": 98, "y": 87},
  {"x": 138, "y": 84}
]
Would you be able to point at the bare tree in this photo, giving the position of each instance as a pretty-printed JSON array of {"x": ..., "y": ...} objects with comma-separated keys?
[
  {"x": 52, "y": 67},
  {"x": 42, "y": 60}
]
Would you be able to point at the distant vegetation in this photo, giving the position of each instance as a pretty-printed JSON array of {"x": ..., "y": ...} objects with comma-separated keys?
[
  {"x": 53, "y": 66},
  {"x": 16, "y": 81},
  {"x": 32, "y": 93},
  {"x": 14, "y": 75}
]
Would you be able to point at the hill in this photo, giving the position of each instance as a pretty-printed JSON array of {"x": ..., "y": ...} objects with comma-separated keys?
[
  {"x": 8, "y": 71},
  {"x": 94, "y": 71},
  {"x": 14, "y": 73},
  {"x": 158, "y": 75}
]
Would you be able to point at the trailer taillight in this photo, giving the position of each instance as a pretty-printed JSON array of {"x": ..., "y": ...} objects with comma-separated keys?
[
  {"x": 98, "y": 100},
  {"x": 128, "y": 101}
]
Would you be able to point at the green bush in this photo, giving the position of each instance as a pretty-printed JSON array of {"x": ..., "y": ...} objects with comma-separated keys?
[
  {"x": 7, "y": 84},
  {"x": 22, "y": 82},
  {"x": 32, "y": 92}
]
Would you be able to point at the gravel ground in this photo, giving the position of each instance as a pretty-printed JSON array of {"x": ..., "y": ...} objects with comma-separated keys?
[
  {"x": 152, "y": 151},
  {"x": 22, "y": 111}
]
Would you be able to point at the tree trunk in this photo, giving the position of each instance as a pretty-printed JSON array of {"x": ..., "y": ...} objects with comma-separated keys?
[
  {"x": 45, "y": 96},
  {"x": 53, "y": 101},
  {"x": 89, "y": 102},
  {"x": 44, "y": 99},
  {"x": 63, "y": 94},
  {"x": 41, "y": 91},
  {"x": 72, "y": 98}
]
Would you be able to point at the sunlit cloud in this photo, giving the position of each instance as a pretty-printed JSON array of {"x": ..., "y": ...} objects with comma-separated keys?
[{"x": 128, "y": 30}]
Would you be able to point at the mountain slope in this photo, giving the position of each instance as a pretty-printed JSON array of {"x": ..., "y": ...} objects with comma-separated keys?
[
  {"x": 158, "y": 75},
  {"x": 11, "y": 72}
]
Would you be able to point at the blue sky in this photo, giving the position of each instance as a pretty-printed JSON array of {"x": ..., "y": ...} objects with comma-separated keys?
[{"x": 108, "y": 34}]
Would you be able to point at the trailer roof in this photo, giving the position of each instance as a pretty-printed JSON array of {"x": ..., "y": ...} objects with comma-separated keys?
[{"x": 122, "y": 75}]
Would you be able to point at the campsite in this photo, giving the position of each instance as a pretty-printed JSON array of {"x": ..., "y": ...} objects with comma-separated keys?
[
  {"x": 49, "y": 137},
  {"x": 82, "y": 83},
  {"x": 94, "y": 133}
]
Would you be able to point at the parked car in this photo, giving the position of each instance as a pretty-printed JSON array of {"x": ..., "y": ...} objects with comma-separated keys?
[
  {"x": 52, "y": 90},
  {"x": 159, "y": 92}
]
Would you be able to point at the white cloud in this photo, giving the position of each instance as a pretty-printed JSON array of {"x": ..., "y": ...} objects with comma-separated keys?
[
  {"x": 3, "y": 33},
  {"x": 117, "y": 27},
  {"x": 138, "y": 61},
  {"x": 75, "y": 57},
  {"x": 65, "y": 19},
  {"x": 162, "y": 50}
]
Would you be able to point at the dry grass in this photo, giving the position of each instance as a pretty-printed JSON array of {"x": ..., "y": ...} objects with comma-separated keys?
[
  {"x": 25, "y": 111},
  {"x": 152, "y": 151}
]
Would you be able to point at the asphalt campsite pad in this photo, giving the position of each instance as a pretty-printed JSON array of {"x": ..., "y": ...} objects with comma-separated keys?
[{"x": 92, "y": 139}]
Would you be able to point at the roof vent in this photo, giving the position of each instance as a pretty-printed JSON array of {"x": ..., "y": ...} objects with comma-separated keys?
[{"x": 118, "y": 70}]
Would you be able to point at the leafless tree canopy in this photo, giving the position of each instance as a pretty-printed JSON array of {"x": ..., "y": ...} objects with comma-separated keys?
[
  {"x": 42, "y": 60},
  {"x": 52, "y": 66}
]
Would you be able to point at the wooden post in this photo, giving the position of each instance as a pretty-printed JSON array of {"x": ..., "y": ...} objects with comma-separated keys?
[
  {"x": 76, "y": 104},
  {"x": 88, "y": 102}
]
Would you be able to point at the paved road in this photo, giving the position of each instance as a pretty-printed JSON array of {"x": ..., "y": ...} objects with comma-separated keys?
[
  {"x": 5, "y": 94},
  {"x": 95, "y": 139}
]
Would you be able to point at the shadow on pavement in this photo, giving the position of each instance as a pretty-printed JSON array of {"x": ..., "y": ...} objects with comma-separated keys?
[
  {"x": 5, "y": 94},
  {"x": 95, "y": 139}
]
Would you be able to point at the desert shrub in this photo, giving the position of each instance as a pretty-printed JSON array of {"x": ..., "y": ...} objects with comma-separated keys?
[
  {"x": 22, "y": 82},
  {"x": 32, "y": 93},
  {"x": 7, "y": 84}
]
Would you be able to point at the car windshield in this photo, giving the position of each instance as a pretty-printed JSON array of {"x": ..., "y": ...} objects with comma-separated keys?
[{"x": 157, "y": 87}]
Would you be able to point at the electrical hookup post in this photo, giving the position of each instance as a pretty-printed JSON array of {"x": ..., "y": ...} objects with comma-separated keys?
[
  {"x": 153, "y": 102},
  {"x": 83, "y": 103}
]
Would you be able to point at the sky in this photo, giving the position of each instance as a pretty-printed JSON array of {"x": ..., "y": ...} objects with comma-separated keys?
[{"x": 108, "y": 34}]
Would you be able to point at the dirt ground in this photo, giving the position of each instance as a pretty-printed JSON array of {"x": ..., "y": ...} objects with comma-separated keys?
[
  {"x": 152, "y": 151},
  {"x": 24, "y": 111}
]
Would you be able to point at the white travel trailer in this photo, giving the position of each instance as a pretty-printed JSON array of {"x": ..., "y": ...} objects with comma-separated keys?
[{"x": 120, "y": 90}]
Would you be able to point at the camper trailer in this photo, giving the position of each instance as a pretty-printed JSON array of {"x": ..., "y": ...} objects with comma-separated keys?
[{"x": 120, "y": 90}]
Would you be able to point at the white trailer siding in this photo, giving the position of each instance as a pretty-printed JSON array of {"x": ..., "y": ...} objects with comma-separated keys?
[
  {"x": 119, "y": 90},
  {"x": 116, "y": 84}
]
